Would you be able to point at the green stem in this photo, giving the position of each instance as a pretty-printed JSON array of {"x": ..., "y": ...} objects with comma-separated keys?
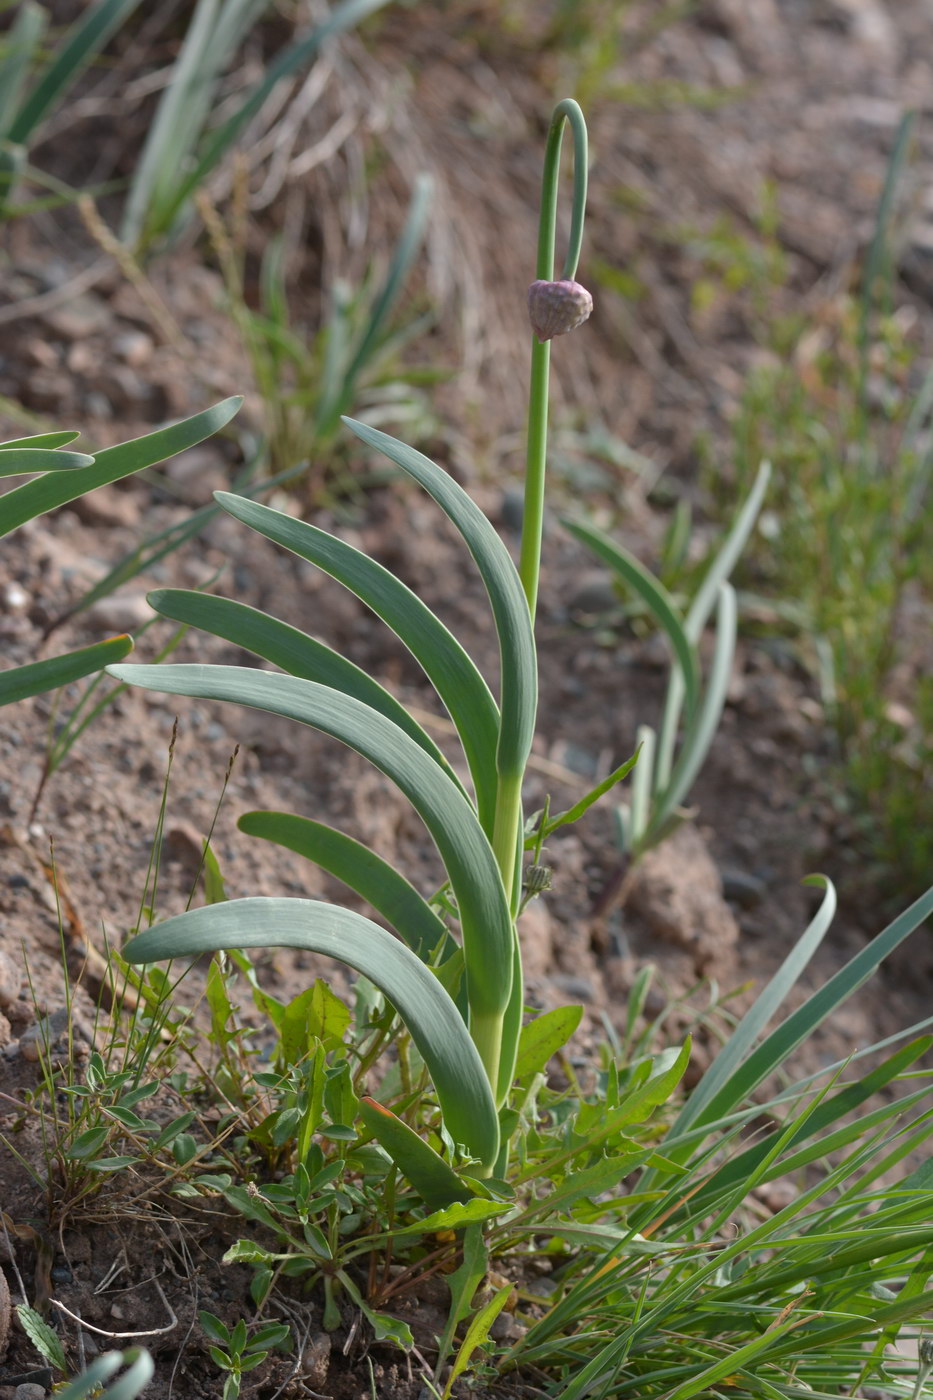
[
  {"x": 532, "y": 523},
  {"x": 506, "y": 832}
]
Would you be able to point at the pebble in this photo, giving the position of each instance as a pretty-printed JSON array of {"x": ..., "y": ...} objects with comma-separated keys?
[
  {"x": 512, "y": 509},
  {"x": 134, "y": 348},
  {"x": 78, "y": 318},
  {"x": 593, "y": 596},
  {"x": 120, "y": 613},
  {"x": 50, "y": 1033},
  {"x": 741, "y": 888},
  {"x": 108, "y": 506},
  {"x": 573, "y": 986},
  {"x": 29, "y": 1391},
  {"x": 9, "y": 981}
]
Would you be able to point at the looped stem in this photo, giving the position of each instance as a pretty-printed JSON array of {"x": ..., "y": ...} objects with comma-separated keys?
[
  {"x": 533, "y": 513},
  {"x": 569, "y": 111}
]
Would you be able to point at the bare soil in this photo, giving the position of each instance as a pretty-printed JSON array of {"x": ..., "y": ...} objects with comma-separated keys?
[{"x": 808, "y": 95}]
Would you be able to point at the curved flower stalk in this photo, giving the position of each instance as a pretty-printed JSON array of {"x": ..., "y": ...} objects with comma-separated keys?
[{"x": 464, "y": 1010}]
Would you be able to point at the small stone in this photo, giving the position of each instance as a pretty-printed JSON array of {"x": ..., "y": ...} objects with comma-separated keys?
[
  {"x": 120, "y": 613},
  {"x": 554, "y": 308},
  {"x": 741, "y": 888},
  {"x": 29, "y": 1391},
  {"x": 134, "y": 348},
  {"x": 593, "y": 596},
  {"x": 78, "y": 318},
  {"x": 9, "y": 981},
  {"x": 580, "y": 988},
  {"x": 316, "y": 1360},
  {"x": 50, "y": 1036},
  {"x": 108, "y": 506}
]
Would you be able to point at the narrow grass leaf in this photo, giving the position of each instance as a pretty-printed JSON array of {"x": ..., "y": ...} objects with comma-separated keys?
[
  {"x": 733, "y": 1362},
  {"x": 702, "y": 728},
  {"x": 519, "y": 685},
  {"x": 361, "y": 869},
  {"x": 289, "y": 61},
  {"x": 35, "y": 677},
  {"x": 435, "y": 1024},
  {"x": 57, "y": 488},
  {"x": 291, "y": 649},
  {"x": 714, "y": 1094},
  {"x": 20, "y": 44},
  {"x": 574, "y": 813},
  {"x": 459, "y": 684},
  {"x": 847, "y": 1101},
  {"x": 84, "y": 40},
  {"x": 652, "y": 593},
  {"x": 774, "y": 1051},
  {"x": 210, "y": 41},
  {"x": 702, "y": 606}
]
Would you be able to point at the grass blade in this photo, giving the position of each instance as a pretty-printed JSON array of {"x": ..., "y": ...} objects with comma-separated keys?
[
  {"x": 21, "y": 42},
  {"x": 702, "y": 729},
  {"x": 774, "y": 1051},
  {"x": 712, "y": 1088},
  {"x": 426, "y": 1009},
  {"x": 85, "y": 39},
  {"x": 57, "y": 488},
  {"x": 700, "y": 609},
  {"x": 653, "y": 593},
  {"x": 295, "y": 57},
  {"x": 402, "y": 258}
]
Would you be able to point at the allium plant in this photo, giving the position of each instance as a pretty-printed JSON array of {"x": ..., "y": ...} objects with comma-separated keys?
[{"x": 461, "y": 997}]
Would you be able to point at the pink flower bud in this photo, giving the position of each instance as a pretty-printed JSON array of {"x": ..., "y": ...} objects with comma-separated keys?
[{"x": 555, "y": 308}]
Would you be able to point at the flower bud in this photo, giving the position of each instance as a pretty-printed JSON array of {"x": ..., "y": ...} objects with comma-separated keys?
[
  {"x": 555, "y": 308},
  {"x": 537, "y": 879}
]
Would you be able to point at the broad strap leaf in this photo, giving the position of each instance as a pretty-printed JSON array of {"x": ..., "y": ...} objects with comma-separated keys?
[
  {"x": 38, "y": 676},
  {"x": 16, "y": 461},
  {"x": 361, "y": 869},
  {"x": 291, "y": 649},
  {"x": 57, "y": 488},
  {"x": 434, "y": 1022},
  {"x": 459, "y": 684},
  {"x": 519, "y": 676},
  {"x": 468, "y": 857}
]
